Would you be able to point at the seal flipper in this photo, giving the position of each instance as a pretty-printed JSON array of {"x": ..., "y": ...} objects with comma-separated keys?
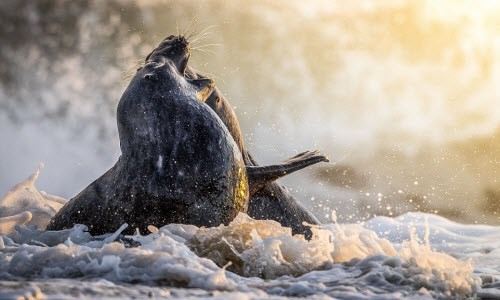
[
  {"x": 203, "y": 86},
  {"x": 259, "y": 176}
]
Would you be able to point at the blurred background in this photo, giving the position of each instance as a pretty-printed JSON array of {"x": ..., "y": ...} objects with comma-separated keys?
[{"x": 403, "y": 96}]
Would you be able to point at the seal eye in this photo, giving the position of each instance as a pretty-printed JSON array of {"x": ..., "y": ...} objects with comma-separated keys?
[
  {"x": 217, "y": 100},
  {"x": 149, "y": 77}
]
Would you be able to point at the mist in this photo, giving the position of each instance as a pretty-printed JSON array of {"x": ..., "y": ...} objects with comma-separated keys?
[{"x": 400, "y": 95}]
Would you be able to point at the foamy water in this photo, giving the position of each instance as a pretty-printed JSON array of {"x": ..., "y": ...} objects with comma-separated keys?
[{"x": 416, "y": 254}]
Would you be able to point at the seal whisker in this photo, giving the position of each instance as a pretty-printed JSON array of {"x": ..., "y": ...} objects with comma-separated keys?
[
  {"x": 200, "y": 37},
  {"x": 206, "y": 45},
  {"x": 200, "y": 50},
  {"x": 191, "y": 35},
  {"x": 194, "y": 33},
  {"x": 190, "y": 26},
  {"x": 209, "y": 27},
  {"x": 129, "y": 73},
  {"x": 212, "y": 76},
  {"x": 204, "y": 50},
  {"x": 199, "y": 40},
  {"x": 205, "y": 31}
]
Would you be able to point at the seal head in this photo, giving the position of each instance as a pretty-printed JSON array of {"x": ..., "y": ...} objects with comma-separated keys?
[{"x": 175, "y": 48}]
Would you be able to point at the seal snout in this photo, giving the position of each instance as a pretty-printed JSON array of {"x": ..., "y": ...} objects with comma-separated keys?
[
  {"x": 179, "y": 49},
  {"x": 177, "y": 44},
  {"x": 174, "y": 48}
]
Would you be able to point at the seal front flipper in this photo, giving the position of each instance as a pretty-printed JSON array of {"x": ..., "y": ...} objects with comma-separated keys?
[
  {"x": 203, "y": 87},
  {"x": 259, "y": 176}
]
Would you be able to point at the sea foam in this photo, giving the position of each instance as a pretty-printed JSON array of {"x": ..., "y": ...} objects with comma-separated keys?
[{"x": 253, "y": 258}]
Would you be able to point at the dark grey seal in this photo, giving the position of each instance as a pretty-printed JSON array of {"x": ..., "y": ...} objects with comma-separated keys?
[
  {"x": 268, "y": 200},
  {"x": 179, "y": 163}
]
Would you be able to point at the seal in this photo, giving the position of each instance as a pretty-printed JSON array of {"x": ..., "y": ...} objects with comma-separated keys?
[
  {"x": 258, "y": 176},
  {"x": 179, "y": 163},
  {"x": 268, "y": 200}
]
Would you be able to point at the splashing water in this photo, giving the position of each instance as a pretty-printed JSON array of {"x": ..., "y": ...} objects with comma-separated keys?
[
  {"x": 25, "y": 205},
  {"x": 263, "y": 248},
  {"x": 382, "y": 257}
]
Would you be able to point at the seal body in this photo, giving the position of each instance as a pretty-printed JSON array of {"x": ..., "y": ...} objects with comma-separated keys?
[
  {"x": 179, "y": 163},
  {"x": 270, "y": 201}
]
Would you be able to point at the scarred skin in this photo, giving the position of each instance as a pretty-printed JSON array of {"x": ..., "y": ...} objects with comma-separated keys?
[{"x": 179, "y": 163}]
